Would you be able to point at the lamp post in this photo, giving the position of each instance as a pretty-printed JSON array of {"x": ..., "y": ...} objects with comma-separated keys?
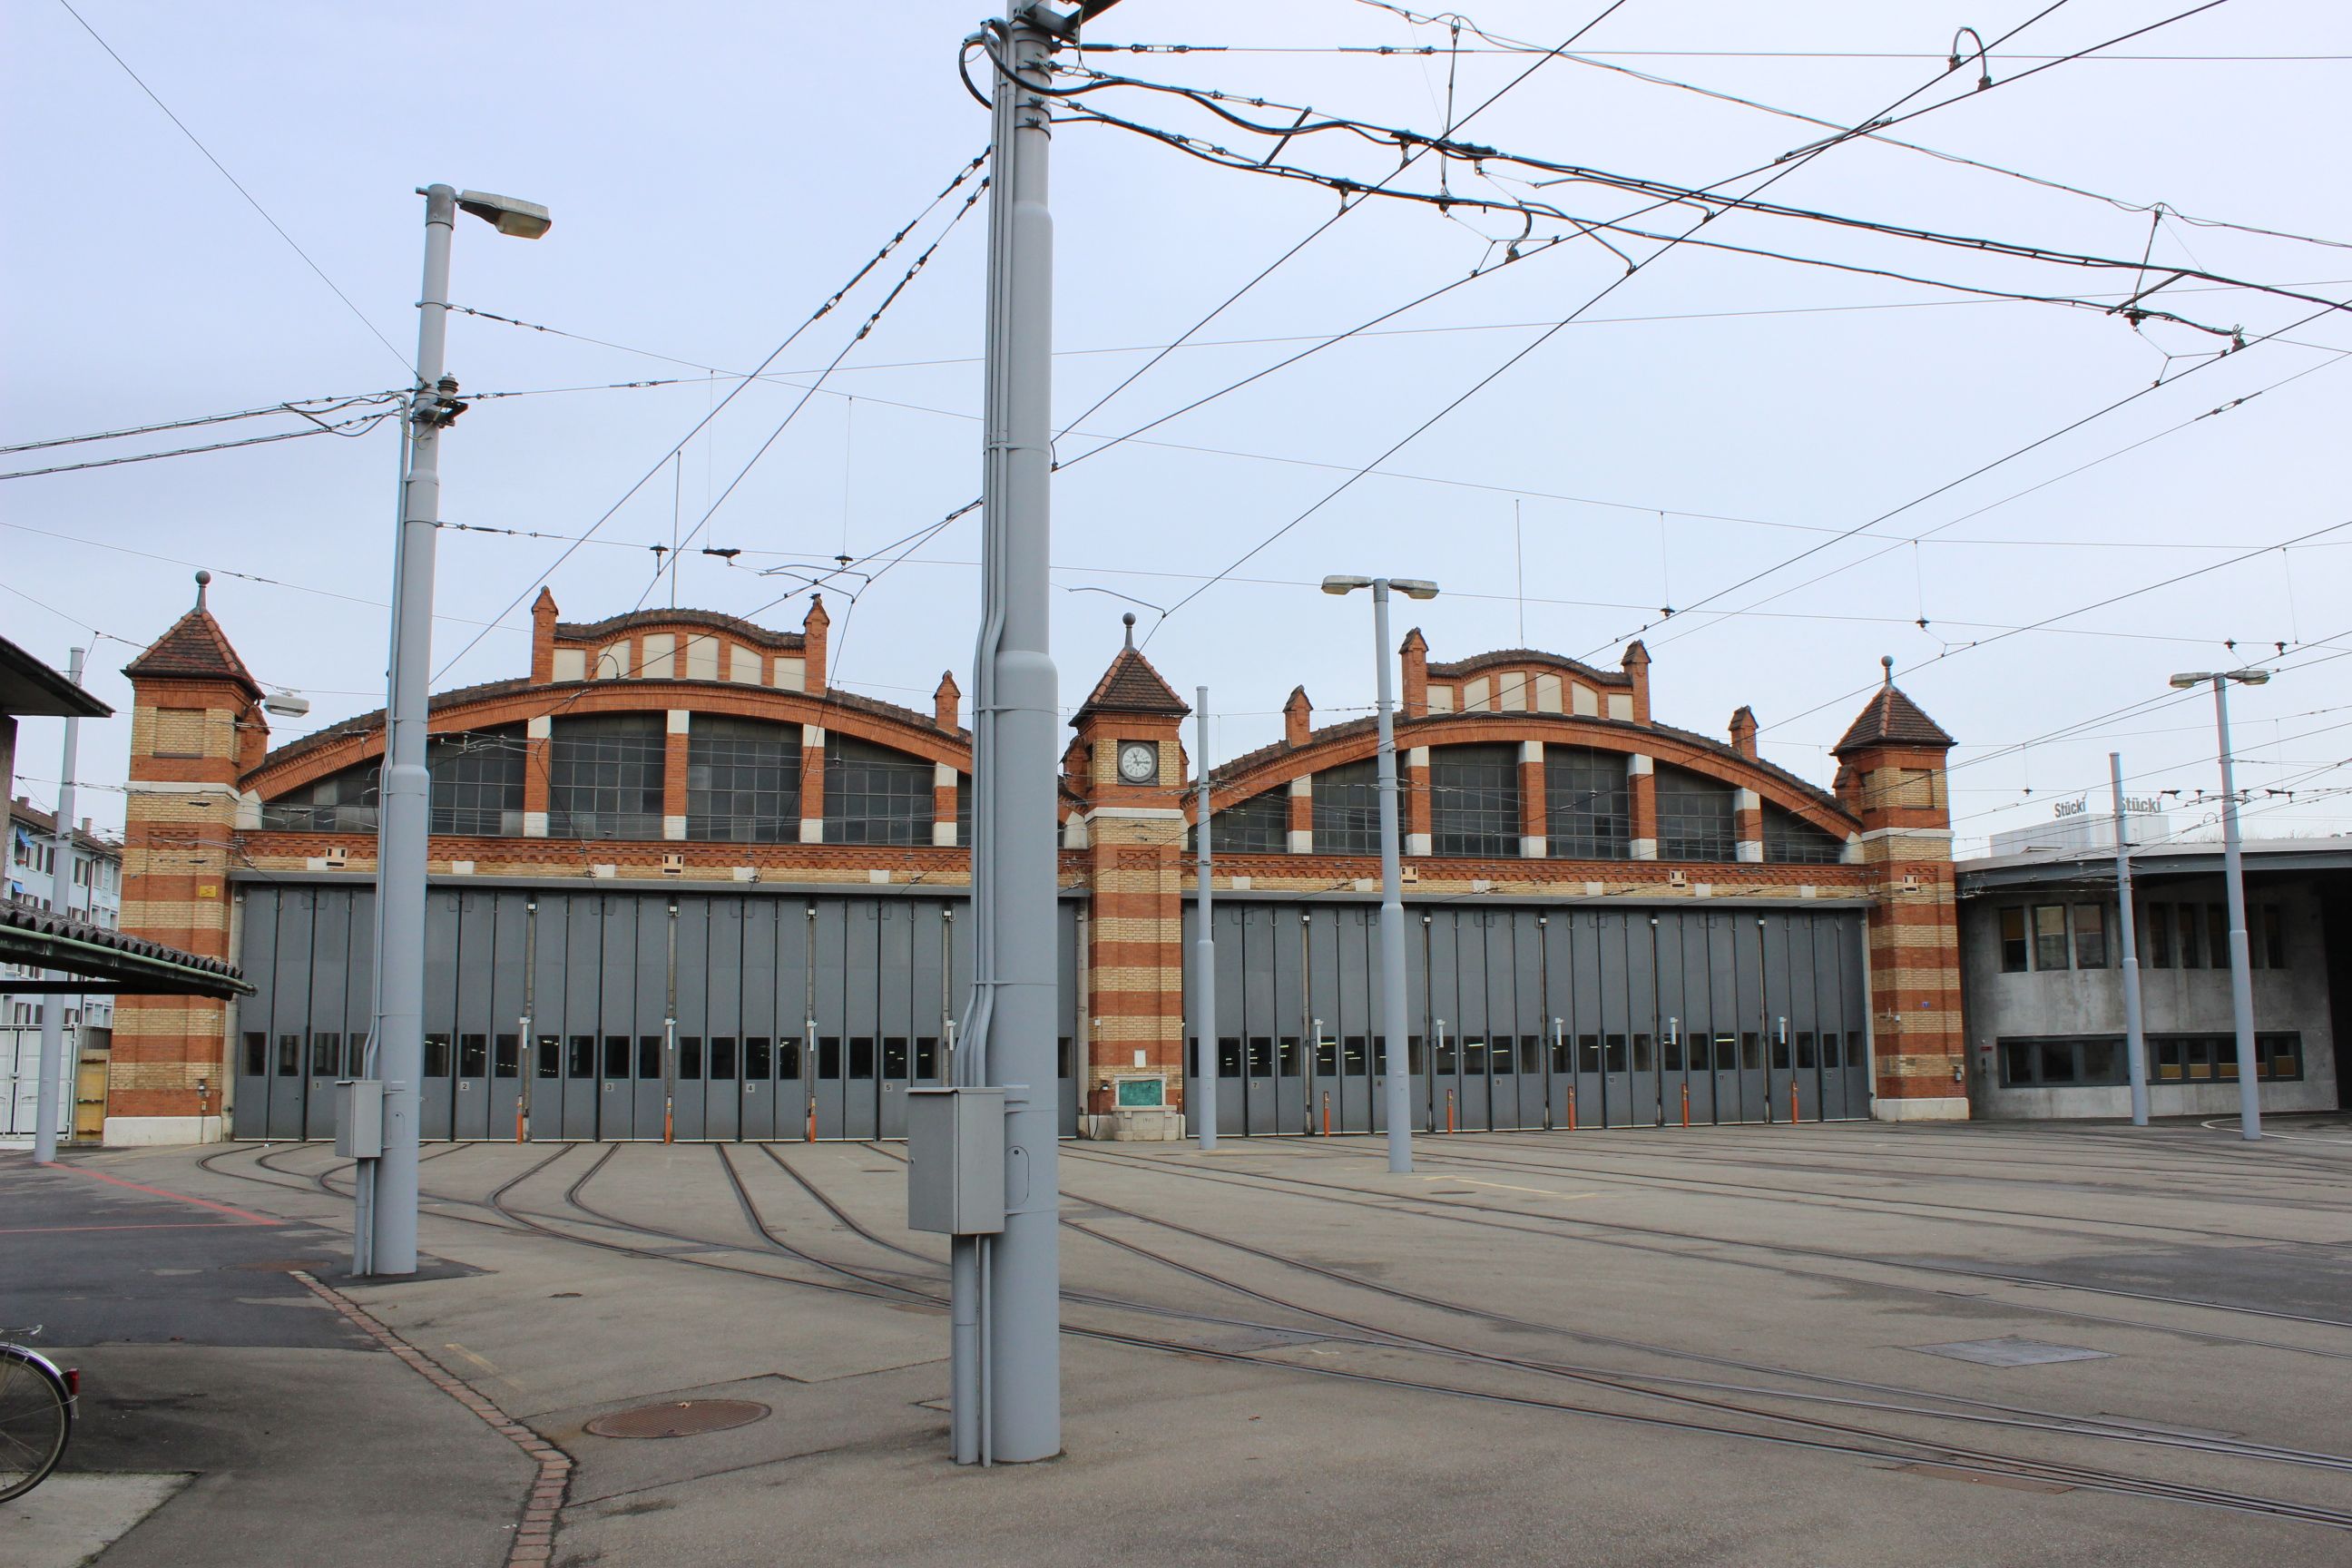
[
  {"x": 383, "y": 1235},
  {"x": 1393, "y": 1017},
  {"x": 2242, "y": 982}
]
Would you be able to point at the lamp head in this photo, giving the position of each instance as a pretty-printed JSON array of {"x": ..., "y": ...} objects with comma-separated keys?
[
  {"x": 2248, "y": 677},
  {"x": 1345, "y": 584},
  {"x": 1414, "y": 588},
  {"x": 523, "y": 220},
  {"x": 2189, "y": 678}
]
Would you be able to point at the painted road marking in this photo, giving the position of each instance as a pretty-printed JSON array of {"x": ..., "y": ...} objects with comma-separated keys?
[{"x": 245, "y": 1214}]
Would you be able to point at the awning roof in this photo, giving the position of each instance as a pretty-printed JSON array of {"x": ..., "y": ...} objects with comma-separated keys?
[
  {"x": 29, "y": 687},
  {"x": 96, "y": 959}
]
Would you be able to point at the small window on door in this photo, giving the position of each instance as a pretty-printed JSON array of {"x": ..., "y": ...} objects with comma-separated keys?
[
  {"x": 436, "y": 1055},
  {"x": 473, "y": 1056}
]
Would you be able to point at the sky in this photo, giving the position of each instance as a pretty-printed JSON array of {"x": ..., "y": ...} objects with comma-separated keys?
[{"x": 1805, "y": 460}]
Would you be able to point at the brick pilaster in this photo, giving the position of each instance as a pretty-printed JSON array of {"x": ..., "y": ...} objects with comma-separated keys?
[
  {"x": 1420, "y": 817},
  {"x": 1532, "y": 800},
  {"x": 675, "y": 742},
  {"x": 1641, "y": 792}
]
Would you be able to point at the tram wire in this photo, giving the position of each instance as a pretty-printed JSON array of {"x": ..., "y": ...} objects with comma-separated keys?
[{"x": 1940, "y": 1454}]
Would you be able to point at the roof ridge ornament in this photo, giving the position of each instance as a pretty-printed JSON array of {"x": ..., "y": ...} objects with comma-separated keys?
[
  {"x": 202, "y": 578},
  {"x": 1886, "y": 670},
  {"x": 1127, "y": 620}
]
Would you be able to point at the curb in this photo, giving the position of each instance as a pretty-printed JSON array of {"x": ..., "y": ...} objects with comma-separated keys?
[{"x": 534, "y": 1537}]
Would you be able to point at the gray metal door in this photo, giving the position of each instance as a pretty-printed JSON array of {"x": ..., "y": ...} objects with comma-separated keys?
[
  {"x": 650, "y": 1018},
  {"x": 1672, "y": 1012},
  {"x": 1755, "y": 1018},
  {"x": 330, "y": 943},
  {"x": 763, "y": 1110},
  {"x": 551, "y": 938},
  {"x": 1695, "y": 1035},
  {"x": 1070, "y": 1064},
  {"x": 1530, "y": 1079},
  {"x": 1447, "y": 1031},
  {"x": 692, "y": 1026},
  {"x": 1828, "y": 1004},
  {"x": 896, "y": 1005},
  {"x": 1805, "y": 1017},
  {"x": 1616, "y": 1018},
  {"x": 1723, "y": 1008},
  {"x": 1253, "y": 936},
  {"x": 584, "y": 952},
  {"x": 1779, "y": 1040},
  {"x": 616, "y": 1020},
  {"x": 476, "y": 936},
  {"x": 1586, "y": 1020},
  {"x": 289, "y": 1011},
  {"x": 1853, "y": 963},
  {"x": 1286, "y": 939},
  {"x": 795, "y": 1066},
  {"x": 510, "y": 927},
  {"x": 829, "y": 949},
  {"x": 436, "y": 1078},
  {"x": 1322, "y": 972},
  {"x": 861, "y": 1022},
  {"x": 1648, "y": 1106},
  {"x": 927, "y": 990},
  {"x": 1474, "y": 984},
  {"x": 256, "y": 1050},
  {"x": 722, "y": 1045}
]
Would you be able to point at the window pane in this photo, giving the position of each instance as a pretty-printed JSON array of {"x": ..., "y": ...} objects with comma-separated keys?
[
  {"x": 742, "y": 781},
  {"x": 1473, "y": 801},
  {"x": 604, "y": 776},
  {"x": 1530, "y": 1053},
  {"x": 2160, "y": 936},
  {"x": 2217, "y": 928},
  {"x": 1790, "y": 840},
  {"x": 326, "y": 1054},
  {"x": 876, "y": 796},
  {"x": 1229, "y": 1058},
  {"x": 1347, "y": 810},
  {"x": 649, "y": 1057},
  {"x": 2192, "y": 935},
  {"x": 1259, "y": 826},
  {"x": 1698, "y": 1053},
  {"x": 477, "y": 782},
  {"x": 1780, "y": 1051},
  {"x": 1804, "y": 1047},
  {"x": 506, "y": 1060},
  {"x": 689, "y": 1056},
  {"x": 2017, "y": 1061},
  {"x": 2050, "y": 936},
  {"x": 289, "y": 1055},
  {"x": 2101, "y": 1061},
  {"x": 1695, "y": 819},
  {"x": 2057, "y": 1061},
  {"x": 1616, "y": 1044},
  {"x": 926, "y": 1058},
  {"x": 473, "y": 1056},
  {"x": 1587, "y": 1052},
  {"x": 828, "y": 1056},
  {"x": 1588, "y": 811},
  {"x": 1474, "y": 1058},
  {"x": 256, "y": 1054},
  {"x": 861, "y": 1056},
  {"x": 2167, "y": 1059},
  {"x": 1290, "y": 1055},
  {"x": 894, "y": 1056},
  {"x": 1260, "y": 1055},
  {"x": 2273, "y": 943},
  {"x": 616, "y": 1056},
  {"x": 549, "y": 1056},
  {"x": 2090, "y": 936}
]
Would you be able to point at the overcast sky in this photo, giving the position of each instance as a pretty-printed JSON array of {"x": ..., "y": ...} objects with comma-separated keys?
[{"x": 716, "y": 172}]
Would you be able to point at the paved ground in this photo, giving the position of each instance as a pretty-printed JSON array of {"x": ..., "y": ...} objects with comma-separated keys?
[{"x": 1642, "y": 1347}]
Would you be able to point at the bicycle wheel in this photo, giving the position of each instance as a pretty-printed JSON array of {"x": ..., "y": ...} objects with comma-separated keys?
[{"x": 36, "y": 1419}]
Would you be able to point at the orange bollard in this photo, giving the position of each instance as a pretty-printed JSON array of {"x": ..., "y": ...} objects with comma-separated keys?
[
  {"x": 1687, "y": 1105},
  {"x": 1449, "y": 1110},
  {"x": 518, "y": 1119},
  {"x": 812, "y": 1119},
  {"x": 669, "y": 1120},
  {"x": 1793, "y": 1102},
  {"x": 1572, "y": 1107},
  {"x": 1327, "y": 1113}
]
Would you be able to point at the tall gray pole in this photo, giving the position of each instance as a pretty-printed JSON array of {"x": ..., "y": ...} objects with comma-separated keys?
[
  {"x": 405, "y": 795},
  {"x": 2135, "y": 1038},
  {"x": 1204, "y": 951},
  {"x": 1393, "y": 1017},
  {"x": 1015, "y": 992},
  {"x": 48, "y": 1100},
  {"x": 2242, "y": 980}
]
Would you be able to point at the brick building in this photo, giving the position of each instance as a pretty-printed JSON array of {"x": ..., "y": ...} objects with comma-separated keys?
[{"x": 681, "y": 886}]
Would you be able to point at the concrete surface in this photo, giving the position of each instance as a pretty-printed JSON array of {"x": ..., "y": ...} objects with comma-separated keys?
[{"x": 1622, "y": 1348}]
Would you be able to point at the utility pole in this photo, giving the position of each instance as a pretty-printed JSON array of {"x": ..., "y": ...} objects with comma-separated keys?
[
  {"x": 383, "y": 1235},
  {"x": 1204, "y": 950},
  {"x": 48, "y": 1082},
  {"x": 2135, "y": 1036},
  {"x": 2242, "y": 982},
  {"x": 1011, "y": 1281}
]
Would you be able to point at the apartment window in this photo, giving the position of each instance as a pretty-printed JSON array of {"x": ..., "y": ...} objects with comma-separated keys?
[
  {"x": 1259, "y": 826},
  {"x": 604, "y": 776},
  {"x": 2016, "y": 952},
  {"x": 2049, "y": 936},
  {"x": 874, "y": 795},
  {"x": 1474, "y": 801},
  {"x": 1695, "y": 819},
  {"x": 743, "y": 781},
  {"x": 1347, "y": 810},
  {"x": 2064, "y": 1062},
  {"x": 1588, "y": 812},
  {"x": 2090, "y": 936}
]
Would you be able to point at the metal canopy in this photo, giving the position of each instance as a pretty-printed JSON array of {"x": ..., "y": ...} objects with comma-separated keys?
[
  {"x": 114, "y": 962},
  {"x": 29, "y": 687}
]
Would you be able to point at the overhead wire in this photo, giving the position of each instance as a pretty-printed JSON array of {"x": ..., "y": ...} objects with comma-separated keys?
[{"x": 346, "y": 428}]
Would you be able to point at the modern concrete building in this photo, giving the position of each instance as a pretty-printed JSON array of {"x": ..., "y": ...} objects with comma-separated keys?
[
  {"x": 2042, "y": 974},
  {"x": 682, "y": 886}
]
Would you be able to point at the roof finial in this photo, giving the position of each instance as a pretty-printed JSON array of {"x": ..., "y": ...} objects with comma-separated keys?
[
  {"x": 1886, "y": 664},
  {"x": 202, "y": 578},
  {"x": 1127, "y": 620}
]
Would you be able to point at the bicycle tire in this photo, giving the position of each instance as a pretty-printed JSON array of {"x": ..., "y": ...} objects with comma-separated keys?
[{"x": 36, "y": 1418}]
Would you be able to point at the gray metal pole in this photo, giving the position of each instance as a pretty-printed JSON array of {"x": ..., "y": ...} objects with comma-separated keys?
[
  {"x": 48, "y": 1081},
  {"x": 2135, "y": 1036},
  {"x": 1016, "y": 993},
  {"x": 1204, "y": 950},
  {"x": 1395, "y": 1060},
  {"x": 404, "y": 796},
  {"x": 2242, "y": 980}
]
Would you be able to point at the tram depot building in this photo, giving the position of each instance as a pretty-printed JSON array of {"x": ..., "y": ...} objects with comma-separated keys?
[{"x": 682, "y": 888}]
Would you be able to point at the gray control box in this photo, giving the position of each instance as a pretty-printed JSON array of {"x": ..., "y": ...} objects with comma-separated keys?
[
  {"x": 955, "y": 1161},
  {"x": 359, "y": 1121}
]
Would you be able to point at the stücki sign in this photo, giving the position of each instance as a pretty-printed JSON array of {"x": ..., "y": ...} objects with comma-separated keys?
[{"x": 2134, "y": 805}]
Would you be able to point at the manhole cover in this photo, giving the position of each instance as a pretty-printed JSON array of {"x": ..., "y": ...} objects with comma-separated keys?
[
  {"x": 2011, "y": 1352},
  {"x": 678, "y": 1418}
]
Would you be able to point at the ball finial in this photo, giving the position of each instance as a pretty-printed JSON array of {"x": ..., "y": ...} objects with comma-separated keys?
[
  {"x": 1127, "y": 620},
  {"x": 202, "y": 579},
  {"x": 1886, "y": 664}
]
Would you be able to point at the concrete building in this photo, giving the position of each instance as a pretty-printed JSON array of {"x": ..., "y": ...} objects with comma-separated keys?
[
  {"x": 91, "y": 890},
  {"x": 2042, "y": 970},
  {"x": 682, "y": 886}
]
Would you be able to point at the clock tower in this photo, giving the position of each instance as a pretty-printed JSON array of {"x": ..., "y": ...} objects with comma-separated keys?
[{"x": 1128, "y": 769}]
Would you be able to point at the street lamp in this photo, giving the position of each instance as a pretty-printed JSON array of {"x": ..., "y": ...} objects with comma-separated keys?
[
  {"x": 2241, "y": 984},
  {"x": 384, "y": 1233},
  {"x": 1398, "y": 1065}
]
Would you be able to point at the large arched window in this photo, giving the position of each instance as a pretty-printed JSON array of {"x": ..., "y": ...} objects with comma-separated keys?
[
  {"x": 1588, "y": 813},
  {"x": 742, "y": 781},
  {"x": 604, "y": 776},
  {"x": 1258, "y": 826},
  {"x": 476, "y": 790},
  {"x": 1790, "y": 840},
  {"x": 1695, "y": 817},
  {"x": 1347, "y": 809},
  {"x": 1474, "y": 807},
  {"x": 876, "y": 796}
]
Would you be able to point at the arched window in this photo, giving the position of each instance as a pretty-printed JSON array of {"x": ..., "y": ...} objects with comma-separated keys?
[
  {"x": 1347, "y": 809},
  {"x": 1790, "y": 840},
  {"x": 876, "y": 796},
  {"x": 1588, "y": 812},
  {"x": 1258, "y": 826},
  {"x": 1473, "y": 806},
  {"x": 742, "y": 781},
  {"x": 476, "y": 790},
  {"x": 604, "y": 776},
  {"x": 1695, "y": 817}
]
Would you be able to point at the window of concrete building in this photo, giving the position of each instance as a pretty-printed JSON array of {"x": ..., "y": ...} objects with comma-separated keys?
[
  {"x": 2049, "y": 936},
  {"x": 604, "y": 776},
  {"x": 2198, "y": 1058},
  {"x": 2090, "y": 936},
  {"x": 2266, "y": 937},
  {"x": 874, "y": 795},
  {"x": 743, "y": 781},
  {"x": 2188, "y": 921},
  {"x": 1695, "y": 820},
  {"x": 2070, "y": 1061},
  {"x": 1474, "y": 804},
  {"x": 2217, "y": 929},
  {"x": 2160, "y": 936},
  {"x": 2015, "y": 951},
  {"x": 1347, "y": 810},
  {"x": 1790, "y": 840},
  {"x": 1258, "y": 826},
  {"x": 1588, "y": 812}
]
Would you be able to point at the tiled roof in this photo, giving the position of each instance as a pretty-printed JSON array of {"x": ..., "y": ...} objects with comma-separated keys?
[
  {"x": 194, "y": 648},
  {"x": 735, "y": 626},
  {"x": 1131, "y": 686},
  {"x": 360, "y": 723},
  {"x": 1502, "y": 657},
  {"x": 1892, "y": 719},
  {"x": 44, "y": 939}
]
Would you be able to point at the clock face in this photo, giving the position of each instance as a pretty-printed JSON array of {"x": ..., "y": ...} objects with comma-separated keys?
[{"x": 1139, "y": 761}]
